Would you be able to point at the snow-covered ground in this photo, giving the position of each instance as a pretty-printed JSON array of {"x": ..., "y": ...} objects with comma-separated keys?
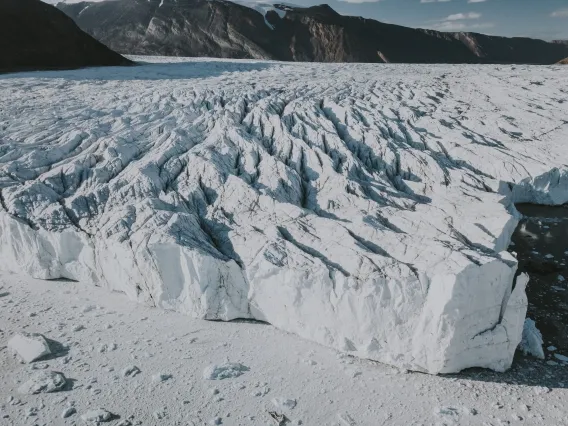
[
  {"x": 365, "y": 207},
  {"x": 109, "y": 336}
]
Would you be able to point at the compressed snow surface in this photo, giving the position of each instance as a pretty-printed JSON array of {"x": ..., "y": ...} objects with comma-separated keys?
[
  {"x": 29, "y": 347},
  {"x": 43, "y": 382},
  {"x": 330, "y": 388},
  {"x": 531, "y": 342},
  {"x": 365, "y": 207}
]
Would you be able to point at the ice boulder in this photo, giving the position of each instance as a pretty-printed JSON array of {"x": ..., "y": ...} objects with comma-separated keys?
[
  {"x": 43, "y": 382},
  {"x": 29, "y": 347},
  {"x": 96, "y": 416},
  {"x": 531, "y": 342}
]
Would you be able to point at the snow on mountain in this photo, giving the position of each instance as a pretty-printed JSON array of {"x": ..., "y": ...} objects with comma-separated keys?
[
  {"x": 263, "y": 8},
  {"x": 364, "y": 207},
  {"x": 272, "y": 31}
]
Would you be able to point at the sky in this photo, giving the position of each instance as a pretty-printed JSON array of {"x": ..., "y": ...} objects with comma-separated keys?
[{"x": 546, "y": 19}]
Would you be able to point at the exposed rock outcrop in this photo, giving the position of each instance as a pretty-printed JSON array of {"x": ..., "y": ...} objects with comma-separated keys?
[
  {"x": 225, "y": 29},
  {"x": 38, "y": 36}
]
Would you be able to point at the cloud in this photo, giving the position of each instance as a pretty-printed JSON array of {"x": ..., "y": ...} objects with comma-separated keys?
[
  {"x": 463, "y": 16},
  {"x": 462, "y": 22},
  {"x": 434, "y": 1},
  {"x": 462, "y": 26},
  {"x": 360, "y": 1},
  {"x": 562, "y": 13},
  {"x": 476, "y": 1}
]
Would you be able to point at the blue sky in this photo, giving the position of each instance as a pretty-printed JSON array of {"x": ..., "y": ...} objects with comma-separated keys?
[{"x": 546, "y": 19}]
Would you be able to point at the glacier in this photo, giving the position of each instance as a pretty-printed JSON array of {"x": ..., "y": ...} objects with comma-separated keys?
[{"x": 364, "y": 207}]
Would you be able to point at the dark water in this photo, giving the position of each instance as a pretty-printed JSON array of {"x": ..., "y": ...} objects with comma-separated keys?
[{"x": 541, "y": 244}]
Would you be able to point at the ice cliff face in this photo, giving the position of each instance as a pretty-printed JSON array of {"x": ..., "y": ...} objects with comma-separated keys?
[{"x": 364, "y": 207}]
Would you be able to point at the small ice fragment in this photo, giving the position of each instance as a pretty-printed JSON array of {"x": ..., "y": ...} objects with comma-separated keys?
[
  {"x": 99, "y": 415},
  {"x": 29, "y": 347},
  {"x": 531, "y": 343},
  {"x": 43, "y": 382},
  {"x": 68, "y": 412},
  {"x": 161, "y": 377},
  {"x": 229, "y": 370}
]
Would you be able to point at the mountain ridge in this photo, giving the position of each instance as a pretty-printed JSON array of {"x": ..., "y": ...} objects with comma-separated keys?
[
  {"x": 37, "y": 36},
  {"x": 225, "y": 29}
]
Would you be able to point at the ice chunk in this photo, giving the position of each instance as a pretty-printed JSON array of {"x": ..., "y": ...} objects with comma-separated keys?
[
  {"x": 99, "y": 415},
  {"x": 29, "y": 347},
  {"x": 43, "y": 382},
  {"x": 68, "y": 412},
  {"x": 531, "y": 343},
  {"x": 229, "y": 370},
  {"x": 161, "y": 377}
]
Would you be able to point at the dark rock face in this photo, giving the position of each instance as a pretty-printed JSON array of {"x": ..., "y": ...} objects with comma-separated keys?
[
  {"x": 37, "y": 36},
  {"x": 224, "y": 29},
  {"x": 519, "y": 50}
]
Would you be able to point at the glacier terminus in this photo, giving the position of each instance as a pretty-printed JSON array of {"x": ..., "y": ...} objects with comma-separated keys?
[{"x": 364, "y": 207}]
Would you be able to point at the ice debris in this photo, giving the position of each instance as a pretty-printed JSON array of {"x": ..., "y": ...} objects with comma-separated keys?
[
  {"x": 229, "y": 370},
  {"x": 531, "y": 342},
  {"x": 99, "y": 415},
  {"x": 68, "y": 412},
  {"x": 43, "y": 382},
  {"x": 29, "y": 347}
]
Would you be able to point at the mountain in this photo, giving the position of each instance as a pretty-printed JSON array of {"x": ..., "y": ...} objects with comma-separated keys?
[
  {"x": 264, "y": 31},
  {"x": 37, "y": 36}
]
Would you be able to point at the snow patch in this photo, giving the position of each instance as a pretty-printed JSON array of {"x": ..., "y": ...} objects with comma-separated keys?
[{"x": 264, "y": 8}]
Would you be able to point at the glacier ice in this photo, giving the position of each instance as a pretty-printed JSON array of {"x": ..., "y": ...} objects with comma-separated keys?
[{"x": 365, "y": 207}]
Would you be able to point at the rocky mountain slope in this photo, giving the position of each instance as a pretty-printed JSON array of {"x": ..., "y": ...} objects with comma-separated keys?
[
  {"x": 564, "y": 62},
  {"x": 36, "y": 36},
  {"x": 224, "y": 29}
]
